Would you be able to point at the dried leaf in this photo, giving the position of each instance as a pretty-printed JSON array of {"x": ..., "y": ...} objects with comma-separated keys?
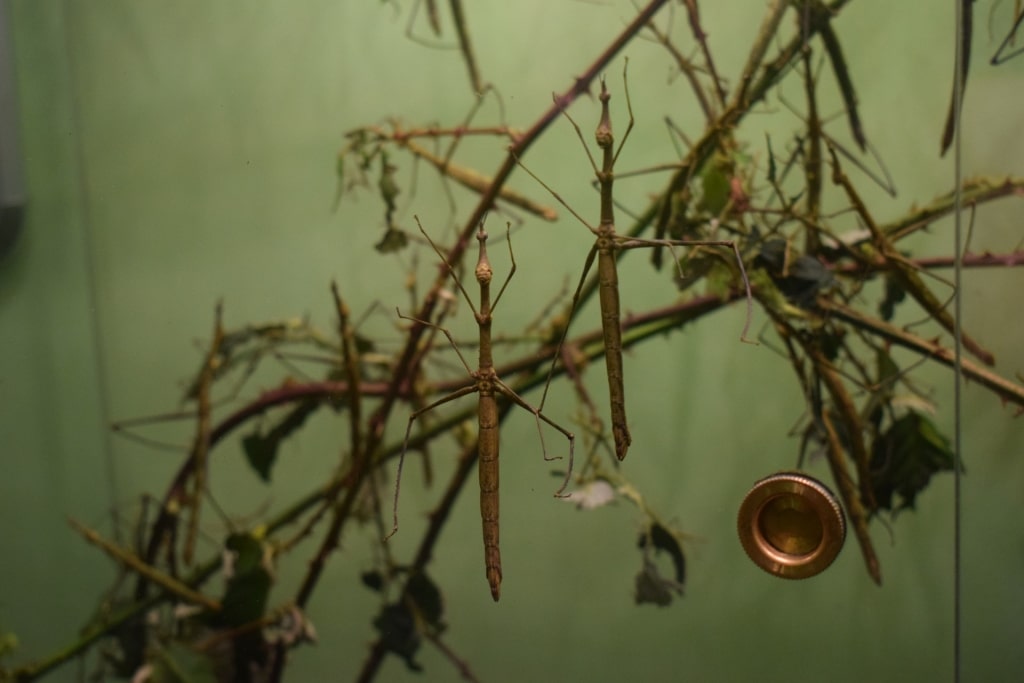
[
  {"x": 393, "y": 240},
  {"x": 293, "y": 627},
  {"x": 662, "y": 539},
  {"x": 800, "y": 280},
  {"x": 652, "y": 587},
  {"x": 593, "y": 494}
]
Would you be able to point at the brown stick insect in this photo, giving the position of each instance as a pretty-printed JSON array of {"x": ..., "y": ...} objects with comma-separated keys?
[
  {"x": 606, "y": 244},
  {"x": 487, "y": 384}
]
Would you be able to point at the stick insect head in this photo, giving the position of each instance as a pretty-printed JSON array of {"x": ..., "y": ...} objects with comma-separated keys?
[
  {"x": 604, "y": 126},
  {"x": 484, "y": 272}
]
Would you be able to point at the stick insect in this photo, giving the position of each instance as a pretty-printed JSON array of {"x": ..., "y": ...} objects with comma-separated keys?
[
  {"x": 465, "y": 44},
  {"x": 606, "y": 244},
  {"x": 486, "y": 383}
]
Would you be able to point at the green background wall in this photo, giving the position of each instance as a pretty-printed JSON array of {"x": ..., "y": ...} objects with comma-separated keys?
[{"x": 179, "y": 153}]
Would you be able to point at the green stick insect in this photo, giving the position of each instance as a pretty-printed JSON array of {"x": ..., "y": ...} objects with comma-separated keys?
[
  {"x": 487, "y": 384},
  {"x": 606, "y": 244}
]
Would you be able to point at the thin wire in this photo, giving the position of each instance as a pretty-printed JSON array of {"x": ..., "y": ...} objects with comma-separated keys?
[
  {"x": 99, "y": 349},
  {"x": 958, "y": 88}
]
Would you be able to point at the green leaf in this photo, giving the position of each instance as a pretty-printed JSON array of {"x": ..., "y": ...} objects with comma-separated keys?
[
  {"x": 260, "y": 452},
  {"x": 397, "y": 628},
  {"x": 831, "y": 341},
  {"x": 427, "y": 597},
  {"x": 894, "y": 294},
  {"x": 248, "y": 587},
  {"x": 373, "y": 579},
  {"x": 364, "y": 344},
  {"x": 652, "y": 587},
  {"x": 261, "y": 449},
  {"x": 393, "y": 240},
  {"x": 715, "y": 188},
  {"x": 904, "y": 458}
]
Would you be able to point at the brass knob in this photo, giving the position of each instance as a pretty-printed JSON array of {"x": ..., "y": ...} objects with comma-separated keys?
[{"x": 791, "y": 525}]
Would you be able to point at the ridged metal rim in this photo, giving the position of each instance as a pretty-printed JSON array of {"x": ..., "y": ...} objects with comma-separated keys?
[{"x": 820, "y": 499}]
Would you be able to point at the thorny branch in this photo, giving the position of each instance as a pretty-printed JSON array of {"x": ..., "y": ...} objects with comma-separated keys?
[{"x": 813, "y": 297}]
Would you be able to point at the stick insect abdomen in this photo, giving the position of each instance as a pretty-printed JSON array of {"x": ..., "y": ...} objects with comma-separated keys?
[
  {"x": 489, "y": 472},
  {"x": 609, "y": 295}
]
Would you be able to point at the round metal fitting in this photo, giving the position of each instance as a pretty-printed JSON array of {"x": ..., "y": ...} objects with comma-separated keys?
[{"x": 791, "y": 525}]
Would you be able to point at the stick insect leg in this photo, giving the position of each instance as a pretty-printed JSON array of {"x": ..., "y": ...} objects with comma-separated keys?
[
  {"x": 451, "y": 271},
  {"x": 565, "y": 330},
  {"x": 512, "y": 269},
  {"x": 465, "y": 391},
  {"x": 446, "y": 333},
  {"x": 509, "y": 393}
]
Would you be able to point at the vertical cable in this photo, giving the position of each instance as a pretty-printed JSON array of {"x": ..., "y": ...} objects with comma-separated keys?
[
  {"x": 958, "y": 88},
  {"x": 89, "y": 256}
]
